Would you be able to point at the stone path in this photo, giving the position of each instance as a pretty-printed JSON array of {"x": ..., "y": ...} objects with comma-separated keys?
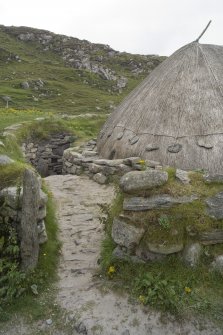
[{"x": 96, "y": 311}]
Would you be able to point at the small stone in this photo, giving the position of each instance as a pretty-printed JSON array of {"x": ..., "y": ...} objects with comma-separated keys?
[
  {"x": 126, "y": 234},
  {"x": 4, "y": 160},
  {"x": 151, "y": 147},
  {"x": 152, "y": 164},
  {"x": 49, "y": 322},
  {"x": 143, "y": 253},
  {"x": 25, "y": 85},
  {"x": 94, "y": 168},
  {"x": 100, "y": 178},
  {"x": 192, "y": 254},
  {"x": 182, "y": 176},
  {"x": 120, "y": 135},
  {"x": 11, "y": 197},
  {"x": 34, "y": 289},
  {"x": 174, "y": 148},
  {"x": 130, "y": 161},
  {"x": 217, "y": 264},
  {"x": 88, "y": 153},
  {"x": 205, "y": 142},
  {"x": 134, "y": 140},
  {"x": 81, "y": 328}
]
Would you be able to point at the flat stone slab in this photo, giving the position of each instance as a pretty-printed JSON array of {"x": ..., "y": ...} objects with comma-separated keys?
[
  {"x": 108, "y": 162},
  {"x": 135, "y": 181},
  {"x": 214, "y": 236},
  {"x": 165, "y": 249},
  {"x": 215, "y": 206},
  {"x": 182, "y": 176},
  {"x": 217, "y": 178},
  {"x": 155, "y": 202}
]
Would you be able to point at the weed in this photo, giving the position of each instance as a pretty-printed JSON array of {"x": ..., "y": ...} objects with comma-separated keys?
[{"x": 164, "y": 222}]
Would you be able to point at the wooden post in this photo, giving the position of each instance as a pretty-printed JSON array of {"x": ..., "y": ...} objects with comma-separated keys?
[{"x": 197, "y": 40}]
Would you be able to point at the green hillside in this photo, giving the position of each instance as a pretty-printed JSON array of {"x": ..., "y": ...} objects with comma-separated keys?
[{"x": 56, "y": 73}]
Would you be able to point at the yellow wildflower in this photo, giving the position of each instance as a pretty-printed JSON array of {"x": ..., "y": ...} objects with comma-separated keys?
[
  {"x": 142, "y": 299},
  {"x": 111, "y": 270},
  {"x": 187, "y": 289},
  {"x": 141, "y": 161}
]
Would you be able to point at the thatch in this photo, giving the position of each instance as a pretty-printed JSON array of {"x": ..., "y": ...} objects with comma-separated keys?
[{"x": 175, "y": 116}]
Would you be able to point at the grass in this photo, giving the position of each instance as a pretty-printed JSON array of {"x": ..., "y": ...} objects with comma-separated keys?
[
  {"x": 168, "y": 285},
  {"x": 14, "y": 116},
  {"x": 66, "y": 89},
  {"x": 40, "y": 306}
]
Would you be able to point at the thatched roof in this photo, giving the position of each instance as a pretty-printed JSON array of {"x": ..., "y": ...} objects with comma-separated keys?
[{"x": 175, "y": 115}]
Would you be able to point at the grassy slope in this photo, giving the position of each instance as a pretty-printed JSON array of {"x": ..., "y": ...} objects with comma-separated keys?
[{"x": 67, "y": 90}]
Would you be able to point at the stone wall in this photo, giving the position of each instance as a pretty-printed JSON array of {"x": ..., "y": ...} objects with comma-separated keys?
[
  {"x": 25, "y": 210},
  {"x": 168, "y": 212},
  {"x": 46, "y": 155},
  {"x": 85, "y": 160}
]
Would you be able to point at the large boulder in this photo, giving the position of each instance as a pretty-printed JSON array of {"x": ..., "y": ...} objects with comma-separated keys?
[{"x": 136, "y": 181}]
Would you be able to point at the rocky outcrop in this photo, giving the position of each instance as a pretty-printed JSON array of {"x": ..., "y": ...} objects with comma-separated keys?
[{"x": 97, "y": 59}]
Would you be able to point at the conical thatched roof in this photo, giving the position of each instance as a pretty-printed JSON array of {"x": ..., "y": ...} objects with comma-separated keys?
[{"x": 175, "y": 116}]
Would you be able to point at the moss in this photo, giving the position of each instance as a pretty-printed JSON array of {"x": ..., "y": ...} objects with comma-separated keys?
[{"x": 11, "y": 174}]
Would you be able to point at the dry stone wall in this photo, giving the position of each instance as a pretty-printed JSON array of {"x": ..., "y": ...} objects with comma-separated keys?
[
  {"x": 154, "y": 224},
  {"x": 46, "y": 155},
  {"x": 78, "y": 160},
  {"x": 25, "y": 209}
]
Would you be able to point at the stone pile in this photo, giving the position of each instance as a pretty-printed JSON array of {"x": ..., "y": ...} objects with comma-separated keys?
[
  {"x": 86, "y": 160},
  {"x": 46, "y": 155},
  {"x": 144, "y": 233}
]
